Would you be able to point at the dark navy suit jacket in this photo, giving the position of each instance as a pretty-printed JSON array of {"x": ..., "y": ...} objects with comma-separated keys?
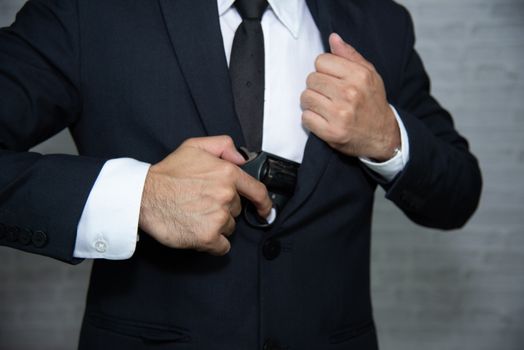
[{"x": 135, "y": 78}]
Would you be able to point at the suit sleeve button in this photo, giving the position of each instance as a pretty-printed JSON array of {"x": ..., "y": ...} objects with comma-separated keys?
[
  {"x": 25, "y": 236},
  {"x": 13, "y": 233},
  {"x": 271, "y": 249},
  {"x": 39, "y": 239}
]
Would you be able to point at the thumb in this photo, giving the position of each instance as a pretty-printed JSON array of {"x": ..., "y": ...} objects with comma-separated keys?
[
  {"x": 340, "y": 48},
  {"x": 219, "y": 146}
]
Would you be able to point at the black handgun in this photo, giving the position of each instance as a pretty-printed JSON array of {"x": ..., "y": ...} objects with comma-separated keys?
[{"x": 277, "y": 173}]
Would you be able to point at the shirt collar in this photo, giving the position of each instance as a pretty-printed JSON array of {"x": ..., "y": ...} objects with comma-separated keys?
[{"x": 289, "y": 12}]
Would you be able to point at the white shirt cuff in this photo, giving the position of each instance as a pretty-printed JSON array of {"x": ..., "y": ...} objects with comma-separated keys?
[
  {"x": 392, "y": 167},
  {"x": 109, "y": 223}
]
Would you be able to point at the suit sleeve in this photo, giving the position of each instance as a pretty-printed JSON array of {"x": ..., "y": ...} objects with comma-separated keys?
[
  {"x": 41, "y": 196},
  {"x": 441, "y": 184}
]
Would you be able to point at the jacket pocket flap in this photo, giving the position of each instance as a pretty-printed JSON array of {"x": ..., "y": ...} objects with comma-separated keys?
[{"x": 147, "y": 331}]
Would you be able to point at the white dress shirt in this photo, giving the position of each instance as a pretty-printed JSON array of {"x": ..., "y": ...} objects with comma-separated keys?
[{"x": 109, "y": 223}]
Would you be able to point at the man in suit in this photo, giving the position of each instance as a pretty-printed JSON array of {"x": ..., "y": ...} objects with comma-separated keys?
[{"x": 147, "y": 82}]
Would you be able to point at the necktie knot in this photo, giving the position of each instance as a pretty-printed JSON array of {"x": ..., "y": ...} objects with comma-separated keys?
[{"x": 251, "y": 9}]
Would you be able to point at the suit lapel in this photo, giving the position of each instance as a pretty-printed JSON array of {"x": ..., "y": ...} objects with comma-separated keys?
[
  {"x": 194, "y": 30},
  {"x": 329, "y": 17}
]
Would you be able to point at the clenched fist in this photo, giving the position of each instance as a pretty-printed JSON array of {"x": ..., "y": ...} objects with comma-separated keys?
[
  {"x": 191, "y": 198},
  {"x": 345, "y": 104}
]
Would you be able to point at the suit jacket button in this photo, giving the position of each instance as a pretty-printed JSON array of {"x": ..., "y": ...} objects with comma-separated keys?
[
  {"x": 25, "y": 236},
  {"x": 271, "y": 249},
  {"x": 39, "y": 239},
  {"x": 12, "y": 233},
  {"x": 271, "y": 344}
]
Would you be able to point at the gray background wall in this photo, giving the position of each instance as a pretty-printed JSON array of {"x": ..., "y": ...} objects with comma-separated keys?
[{"x": 431, "y": 290}]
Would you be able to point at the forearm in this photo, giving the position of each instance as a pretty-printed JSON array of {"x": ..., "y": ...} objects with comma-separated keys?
[
  {"x": 44, "y": 194},
  {"x": 441, "y": 184}
]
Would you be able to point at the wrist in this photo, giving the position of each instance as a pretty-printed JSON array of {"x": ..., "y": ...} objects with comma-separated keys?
[
  {"x": 145, "y": 203},
  {"x": 391, "y": 141}
]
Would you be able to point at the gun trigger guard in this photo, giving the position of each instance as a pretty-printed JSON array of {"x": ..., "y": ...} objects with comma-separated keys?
[{"x": 249, "y": 217}]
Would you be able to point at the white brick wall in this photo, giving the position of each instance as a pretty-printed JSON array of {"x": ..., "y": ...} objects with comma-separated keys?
[
  {"x": 463, "y": 290},
  {"x": 432, "y": 290}
]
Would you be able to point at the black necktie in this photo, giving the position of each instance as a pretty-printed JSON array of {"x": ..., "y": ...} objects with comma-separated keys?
[{"x": 246, "y": 69}]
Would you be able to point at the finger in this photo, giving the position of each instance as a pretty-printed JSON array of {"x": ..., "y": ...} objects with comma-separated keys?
[
  {"x": 229, "y": 227},
  {"x": 341, "y": 68},
  {"x": 326, "y": 85},
  {"x": 222, "y": 246},
  {"x": 236, "y": 206},
  {"x": 219, "y": 146},
  {"x": 254, "y": 191},
  {"x": 342, "y": 49},
  {"x": 318, "y": 103},
  {"x": 316, "y": 124}
]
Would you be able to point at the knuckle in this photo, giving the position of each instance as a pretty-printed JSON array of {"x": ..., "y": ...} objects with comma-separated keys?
[
  {"x": 236, "y": 211},
  {"x": 306, "y": 116},
  {"x": 228, "y": 170},
  {"x": 305, "y": 99},
  {"x": 226, "y": 195},
  {"x": 228, "y": 140},
  {"x": 319, "y": 61},
  {"x": 311, "y": 79},
  {"x": 208, "y": 239},
  {"x": 306, "y": 120},
  {"x": 368, "y": 76},
  {"x": 364, "y": 76},
  {"x": 345, "y": 114},
  {"x": 231, "y": 228},
  {"x": 222, "y": 217},
  {"x": 224, "y": 250},
  {"x": 351, "y": 93},
  {"x": 308, "y": 96},
  {"x": 305, "y": 94}
]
